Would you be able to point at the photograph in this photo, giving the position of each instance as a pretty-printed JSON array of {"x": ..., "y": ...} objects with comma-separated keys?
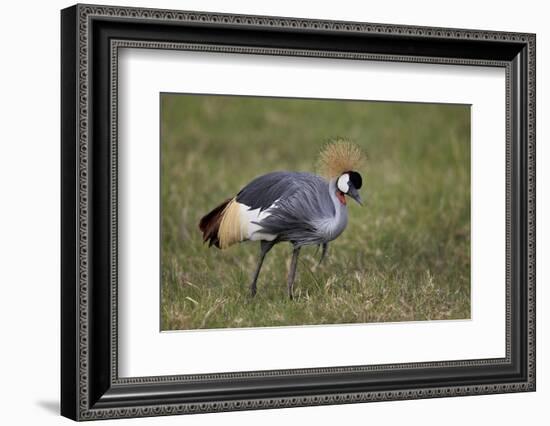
[{"x": 298, "y": 212}]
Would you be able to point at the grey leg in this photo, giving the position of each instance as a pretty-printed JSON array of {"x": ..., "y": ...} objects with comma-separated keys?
[
  {"x": 265, "y": 246},
  {"x": 323, "y": 252},
  {"x": 292, "y": 272}
]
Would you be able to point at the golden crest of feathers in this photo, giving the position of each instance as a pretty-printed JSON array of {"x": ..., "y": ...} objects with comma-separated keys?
[{"x": 339, "y": 156}]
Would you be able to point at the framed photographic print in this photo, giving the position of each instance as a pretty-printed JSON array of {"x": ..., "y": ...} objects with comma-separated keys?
[{"x": 263, "y": 212}]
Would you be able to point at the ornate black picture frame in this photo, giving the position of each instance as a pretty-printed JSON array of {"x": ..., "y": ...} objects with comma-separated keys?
[{"x": 90, "y": 38}]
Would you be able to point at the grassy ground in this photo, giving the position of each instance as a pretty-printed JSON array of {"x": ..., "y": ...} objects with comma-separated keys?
[{"x": 404, "y": 256}]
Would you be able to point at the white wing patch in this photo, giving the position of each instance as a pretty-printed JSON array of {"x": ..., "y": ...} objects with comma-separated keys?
[{"x": 254, "y": 230}]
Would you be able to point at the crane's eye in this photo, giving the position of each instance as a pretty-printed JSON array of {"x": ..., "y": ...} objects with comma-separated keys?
[{"x": 356, "y": 179}]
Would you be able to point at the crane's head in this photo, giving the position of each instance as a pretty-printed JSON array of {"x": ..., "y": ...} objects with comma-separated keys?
[
  {"x": 349, "y": 183},
  {"x": 338, "y": 161}
]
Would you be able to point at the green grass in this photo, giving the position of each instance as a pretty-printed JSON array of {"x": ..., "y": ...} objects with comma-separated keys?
[{"x": 405, "y": 255}]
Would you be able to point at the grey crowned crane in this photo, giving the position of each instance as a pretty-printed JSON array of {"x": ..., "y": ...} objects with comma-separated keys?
[{"x": 301, "y": 208}]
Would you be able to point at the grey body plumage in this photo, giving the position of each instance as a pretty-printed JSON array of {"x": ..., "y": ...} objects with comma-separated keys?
[{"x": 301, "y": 208}]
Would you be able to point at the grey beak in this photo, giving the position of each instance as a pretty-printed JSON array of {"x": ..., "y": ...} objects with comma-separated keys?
[{"x": 353, "y": 193}]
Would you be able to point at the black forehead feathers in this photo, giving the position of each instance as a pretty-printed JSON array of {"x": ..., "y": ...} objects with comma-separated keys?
[{"x": 355, "y": 179}]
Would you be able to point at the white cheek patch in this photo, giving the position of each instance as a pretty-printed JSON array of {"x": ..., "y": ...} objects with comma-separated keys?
[{"x": 343, "y": 183}]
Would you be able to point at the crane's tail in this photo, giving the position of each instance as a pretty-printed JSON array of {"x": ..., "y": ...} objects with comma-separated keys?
[
  {"x": 210, "y": 224},
  {"x": 223, "y": 226}
]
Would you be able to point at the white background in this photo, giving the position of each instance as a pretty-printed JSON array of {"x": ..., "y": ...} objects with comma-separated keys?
[
  {"x": 146, "y": 352},
  {"x": 29, "y": 225}
]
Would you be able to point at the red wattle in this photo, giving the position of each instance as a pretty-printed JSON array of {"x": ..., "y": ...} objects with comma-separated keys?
[{"x": 341, "y": 197}]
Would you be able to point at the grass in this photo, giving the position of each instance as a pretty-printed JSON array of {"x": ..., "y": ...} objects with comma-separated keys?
[{"x": 405, "y": 255}]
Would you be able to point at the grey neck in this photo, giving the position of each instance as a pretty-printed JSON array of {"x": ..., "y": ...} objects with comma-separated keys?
[
  {"x": 340, "y": 219},
  {"x": 338, "y": 206}
]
